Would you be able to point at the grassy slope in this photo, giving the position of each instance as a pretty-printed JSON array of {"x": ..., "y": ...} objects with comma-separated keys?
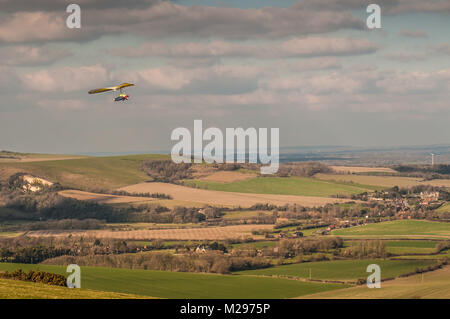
[
  {"x": 434, "y": 284},
  {"x": 411, "y": 246},
  {"x": 184, "y": 285},
  {"x": 382, "y": 181},
  {"x": 14, "y": 289},
  {"x": 92, "y": 172},
  {"x": 342, "y": 269},
  {"x": 286, "y": 186},
  {"x": 444, "y": 208},
  {"x": 403, "y": 246},
  {"x": 398, "y": 228}
]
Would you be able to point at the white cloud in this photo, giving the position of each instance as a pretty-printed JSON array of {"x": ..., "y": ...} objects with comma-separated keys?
[
  {"x": 296, "y": 47},
  {"x": 66, "y": 79},
  {"x": 25, "y": 55}
]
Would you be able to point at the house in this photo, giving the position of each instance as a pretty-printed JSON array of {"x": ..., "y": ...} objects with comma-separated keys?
[
  {"x": 429, "y": 197},
  {"x": 200, "y": 250}
]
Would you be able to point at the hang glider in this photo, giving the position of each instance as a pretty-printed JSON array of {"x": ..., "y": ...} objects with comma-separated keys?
[{"x": 121, "y": 97}]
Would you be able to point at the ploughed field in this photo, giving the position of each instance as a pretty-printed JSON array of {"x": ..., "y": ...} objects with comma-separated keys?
[
  {"x": 227, "y": 198},
  {"x": 198, "y": 233}
]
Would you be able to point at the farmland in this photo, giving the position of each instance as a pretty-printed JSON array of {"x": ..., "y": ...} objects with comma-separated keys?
[
  {"x": 184, "y": 285},
  {"x": 225, "y": 198},
  {"x": 90, "y": 173},
  {"x": 444, "y": 208},
  {"x": 205, "y": 233},
  {"x": 361, "y": 169},
  {"x": 104, "y": 198},
  {"x": 298, "y": 186},
  {"x": 215, "y": 244},
  {"x": 345, "y": 270},
  {"x": 434, "y": 284},
  {"x": 13, "y": 289},
  {"x": 382, "y": 181},
  {"x": 411, "y": 228}
]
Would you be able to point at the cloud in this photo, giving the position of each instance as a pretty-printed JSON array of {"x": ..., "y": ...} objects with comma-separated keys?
[
  {"x": 296, "y": 47},
  {"x": 413, "y": 34},
  {"x": 66, "y": 79},
  {"x": 387, "y": 6},
  {"x": 26, "y": 55},
  {"x": 166, "y": 19},
  {"x": 8, "y": 79},
  {"x": 443, "y": 48},
  {"x": 406, "y": 57},
  {"x": 33, "y": 26},
  {"x": 60, "y": 5}
]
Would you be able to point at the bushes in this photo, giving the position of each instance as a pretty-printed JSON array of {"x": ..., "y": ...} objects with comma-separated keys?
[
  {"x": 303, "y": 169},
  {"x": 150, "y": 195},
  {"x": 366, "y": 249},
  {"x": 167, "y": 171},
  {"x": 65, "y": 224},
  {"x": 441, "y": 246},
  {"x": 208, "y": 262},
  {"x": 31, "y": 255},
  {"x": 36, "y": 276}
]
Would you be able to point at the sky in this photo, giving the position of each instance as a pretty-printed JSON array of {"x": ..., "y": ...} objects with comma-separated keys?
[{"x": 311, "y": 68}]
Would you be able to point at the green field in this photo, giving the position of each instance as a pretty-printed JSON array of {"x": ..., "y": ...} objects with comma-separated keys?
[
  {"x": 411, "y": 246},
  {"x": 399, "y": 247},
  {"x": 301, "y": 186},
  {"x": 435, "y": 284},
  {"x": 91, "y": 172},
  {"x": 444, "y": 208},
  {"x": 183, "y": 285},
  {"x": 342, "y": 269},
  {"x": 14, "y": 289},
  {"x": 421, "y": 228}
]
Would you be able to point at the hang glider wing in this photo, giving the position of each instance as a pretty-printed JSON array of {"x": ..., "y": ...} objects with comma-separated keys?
[
  {"x": 124, "y": 85},
  {"x": 112, "y": 88},
  {"x": 101, "y": 90}
]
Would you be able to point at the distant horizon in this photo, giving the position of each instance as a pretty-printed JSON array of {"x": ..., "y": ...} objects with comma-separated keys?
[{"x": 315, "y": 148}]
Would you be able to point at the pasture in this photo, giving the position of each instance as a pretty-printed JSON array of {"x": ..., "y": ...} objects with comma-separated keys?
[
  {"x": 298, "y": 186},
  {"x": 444, "y": 208},
  {"x": 435, "y": 284},
  {"x": 382, "y": 181},
  {"x": 399, "y": 247},
  {"x": 184, "y": 285},
  {"x": 90, "y": 173},
  {"x": 398, "y": 228},
  {"x": 345, "y": 270},
  {"x": 14, "y": 289}
]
